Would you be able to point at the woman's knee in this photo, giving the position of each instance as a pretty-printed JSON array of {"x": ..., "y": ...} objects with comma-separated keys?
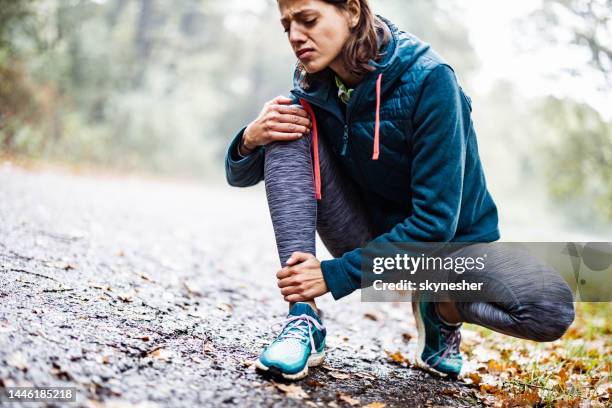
[
  {"x": 544, "y": 321},
  {"x": 299, "y": 148},
  {"x": 545, "y": 311},
  {"x": 288, "y": 162}
]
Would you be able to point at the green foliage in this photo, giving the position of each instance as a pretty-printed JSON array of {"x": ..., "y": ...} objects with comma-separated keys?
[
  {"x": 153, "y": 84},
  {"x": 579, "y": 158}
]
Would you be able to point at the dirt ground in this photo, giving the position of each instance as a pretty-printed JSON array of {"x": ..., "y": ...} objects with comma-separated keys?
[{"x": 154, "y": 294}]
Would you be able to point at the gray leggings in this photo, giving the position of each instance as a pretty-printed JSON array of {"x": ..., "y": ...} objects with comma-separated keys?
[{"x": 343, "y": 225}]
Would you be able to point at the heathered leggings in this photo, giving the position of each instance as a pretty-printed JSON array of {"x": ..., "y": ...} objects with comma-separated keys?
[{"x": 343, "y": 225}]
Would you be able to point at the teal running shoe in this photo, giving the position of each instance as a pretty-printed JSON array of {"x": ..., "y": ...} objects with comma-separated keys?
[
  {"x": 301, "y": 344},
  {"x": 438, "y": 345}
]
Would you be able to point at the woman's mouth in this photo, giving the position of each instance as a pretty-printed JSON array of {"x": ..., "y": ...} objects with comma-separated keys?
[{"x": 306, "y": 53}]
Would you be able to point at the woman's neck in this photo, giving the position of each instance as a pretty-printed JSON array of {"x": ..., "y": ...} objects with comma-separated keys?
[{"x": 347, "y": 78}]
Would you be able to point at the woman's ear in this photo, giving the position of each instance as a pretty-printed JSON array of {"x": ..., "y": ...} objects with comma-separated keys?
[{"x": 353, "y": 9}]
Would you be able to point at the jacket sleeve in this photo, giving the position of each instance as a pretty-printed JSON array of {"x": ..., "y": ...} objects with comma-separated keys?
[
  {"x": 441, "y": 126},
  {"x": 243, "y": 171}
]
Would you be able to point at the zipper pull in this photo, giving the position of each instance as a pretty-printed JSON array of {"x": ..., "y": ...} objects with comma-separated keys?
[{"x": 345, "y": 140}]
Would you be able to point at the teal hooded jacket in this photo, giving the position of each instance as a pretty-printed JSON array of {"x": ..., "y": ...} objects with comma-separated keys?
[{"x": 408, "y": 141}]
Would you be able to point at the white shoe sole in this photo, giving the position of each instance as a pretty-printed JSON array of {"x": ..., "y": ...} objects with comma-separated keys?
[
  {"x": 315, "y": 359},
  {"x": 420, "y": 323}
]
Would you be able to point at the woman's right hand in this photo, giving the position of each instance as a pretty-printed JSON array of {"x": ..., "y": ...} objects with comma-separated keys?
[{"x": 278, "y": 121}]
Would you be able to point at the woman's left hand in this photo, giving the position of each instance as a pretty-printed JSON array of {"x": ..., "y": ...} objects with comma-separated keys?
[{"x": 302, "y": 279}]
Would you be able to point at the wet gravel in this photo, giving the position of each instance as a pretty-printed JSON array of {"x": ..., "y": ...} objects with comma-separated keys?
[{"x": 150, "y": 294}]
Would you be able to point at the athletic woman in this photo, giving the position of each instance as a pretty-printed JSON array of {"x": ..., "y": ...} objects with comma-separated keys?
[{"x": 376, "y": 145}]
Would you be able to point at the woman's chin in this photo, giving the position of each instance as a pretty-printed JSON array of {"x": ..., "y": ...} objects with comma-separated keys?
[{"x": 312, "y": 67}]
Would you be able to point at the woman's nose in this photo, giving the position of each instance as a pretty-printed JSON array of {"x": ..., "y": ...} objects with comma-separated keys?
[{"x": 296, "y": 36}]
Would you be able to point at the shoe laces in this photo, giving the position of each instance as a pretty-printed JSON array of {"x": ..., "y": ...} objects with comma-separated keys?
[
  {"x": 293, "y": 327},
  {"x": 452, "y": 338}
]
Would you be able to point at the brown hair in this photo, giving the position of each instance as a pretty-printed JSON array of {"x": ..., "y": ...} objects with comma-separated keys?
[{"x": 362, "y": 45}]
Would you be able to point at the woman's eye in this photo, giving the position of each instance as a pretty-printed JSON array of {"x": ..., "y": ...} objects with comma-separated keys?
[{"x": 310, "y": 22}]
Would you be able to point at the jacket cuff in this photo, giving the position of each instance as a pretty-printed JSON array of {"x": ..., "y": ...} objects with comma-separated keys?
[
  {"x": 234, "y": 150},
  {"x": 336, "y": 278}
]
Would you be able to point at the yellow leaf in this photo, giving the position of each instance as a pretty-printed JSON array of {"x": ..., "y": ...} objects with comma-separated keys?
[
  {"x": 292, "y": 391},
  {"x": 376, "y": 405},
  {"x": 346, "y": 398}
]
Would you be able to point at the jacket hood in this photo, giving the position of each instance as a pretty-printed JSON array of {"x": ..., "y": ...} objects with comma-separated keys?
[{"x": 398, "y": 56}]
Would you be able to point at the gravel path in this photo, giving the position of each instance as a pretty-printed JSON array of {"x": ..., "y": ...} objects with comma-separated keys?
[{"x": 149, "y": 294}]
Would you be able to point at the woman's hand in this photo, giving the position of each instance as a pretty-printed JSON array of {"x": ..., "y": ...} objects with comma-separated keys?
[
  {"x": 302, "y": 279},
  {"x": 278, "y": 121}
]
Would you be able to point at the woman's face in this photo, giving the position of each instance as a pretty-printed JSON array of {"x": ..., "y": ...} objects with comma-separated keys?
[{"x": 317, "y": 31}]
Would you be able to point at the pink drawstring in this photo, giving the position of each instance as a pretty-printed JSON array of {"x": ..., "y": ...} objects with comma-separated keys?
[
  {"x": 376, "y": 150},
  {"x": 315, "y": 148}
]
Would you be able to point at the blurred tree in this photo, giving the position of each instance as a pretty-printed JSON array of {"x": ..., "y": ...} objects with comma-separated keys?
[
  {"x": 438, "y": 23},
  {"x": 585, "y": 23},
  {"x": 16, "y": 100},
  {"x": 161, "y": 85},
  {"x": 578, "y": 158}
]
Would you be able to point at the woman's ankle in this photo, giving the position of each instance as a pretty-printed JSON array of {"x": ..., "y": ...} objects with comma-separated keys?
[
  {"x": 448, "y": 313},
  {"x": 312, "y": 304}
]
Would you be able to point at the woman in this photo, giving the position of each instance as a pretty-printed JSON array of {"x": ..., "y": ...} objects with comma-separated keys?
[{"x": 376, "y": 145}]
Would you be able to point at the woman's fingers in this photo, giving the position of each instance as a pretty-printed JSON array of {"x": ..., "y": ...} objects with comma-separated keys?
[
  {"x": 286, "y": 282},
  {"x": 291, "y": 290},
  {"x": 283, "y": 273},
  {"x": 280, "y": 136},
  {"x": 295, "y": 110},
  {"x": 294, "y": 119},
  {"x": 288, "y": 127},
  {"x": 282, "y": 100},
  {"x": 296, "y": 298},
  {"x": 297, "y": 257}
]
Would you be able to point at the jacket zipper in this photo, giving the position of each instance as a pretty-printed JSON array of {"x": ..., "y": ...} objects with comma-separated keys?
[{"x": 345, "y": 136}]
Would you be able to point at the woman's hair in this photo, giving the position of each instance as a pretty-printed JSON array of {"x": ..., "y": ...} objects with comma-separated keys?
[{"x": 362, "y": 45}]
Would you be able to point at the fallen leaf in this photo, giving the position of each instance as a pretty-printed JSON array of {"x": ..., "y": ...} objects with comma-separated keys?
[
  {"x": 329, "y": 368},
  {"x": 475, "y": 377},
  {"x": 348, "y": 399},
  {"x": 339, "y": 376},
  {"x": 604, "y": 390},
  {"x": 146, "y": 277},
  {"x": 365, "y": 376},
  {"x": 209, "y": 347},
  {"x": 373, "y": 316},
  {"x": 225, "y": 307},
  {"x": 161, "y": 354},
  {"x": 292, "y": 391},
  {"x": 397, "y": 357},
  {"x": 526, "y": 399},
  {"x": 125, "y": 297},
  {"x": 376, "y": 405},
  {"x": 452, "y": 392},
  {"x": 314, "y": 383},
  {"x": 495, "y": 366}
]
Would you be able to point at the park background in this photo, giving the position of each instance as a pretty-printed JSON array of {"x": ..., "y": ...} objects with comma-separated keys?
[
  {"x": 160, "y": 87},
  {"x": 156, "y": 89}
]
